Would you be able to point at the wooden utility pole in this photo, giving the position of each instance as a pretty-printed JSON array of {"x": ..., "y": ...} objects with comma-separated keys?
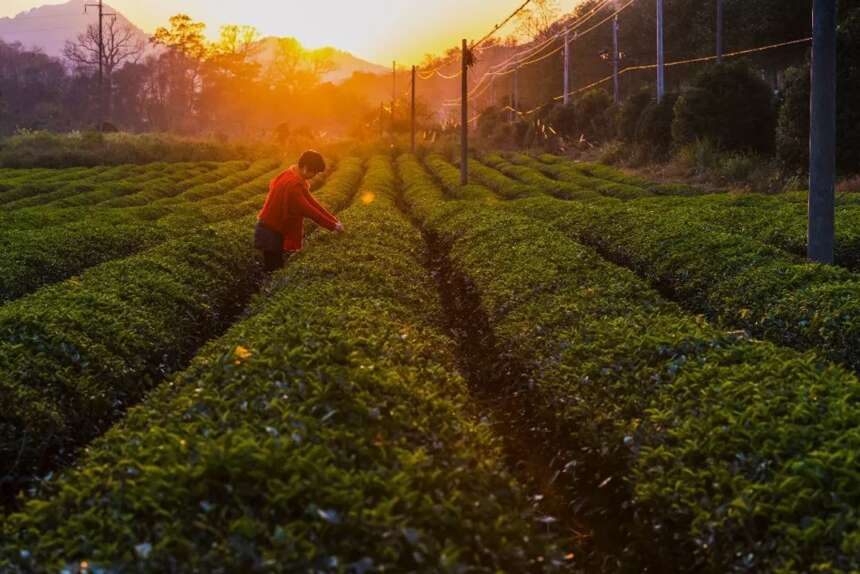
[
  {"x": 413, "y": 109},
  {"x": 464, "y": 115},
  {"x": 719, "y": 31},
  {"x": 393, "y": 92},
  {"x": 566, "y": 68},
  {"x": 822, "y": 133},
  {"x": 661, "y": 61},
  {"x": 101, "y": 97},
  {"x": 615, "y": 61},
  {"x": 493, "y": 91},
  {"x": 516, "y": 105}
]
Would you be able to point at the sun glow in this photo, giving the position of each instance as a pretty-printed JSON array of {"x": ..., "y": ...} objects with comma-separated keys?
[{"x": 379, "y": 30}]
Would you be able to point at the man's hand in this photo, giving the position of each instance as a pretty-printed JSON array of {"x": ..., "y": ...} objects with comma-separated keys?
[{"x": 339, "y": 227}]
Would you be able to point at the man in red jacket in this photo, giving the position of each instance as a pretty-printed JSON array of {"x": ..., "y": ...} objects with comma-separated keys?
[{"x": 280, "y": 224}]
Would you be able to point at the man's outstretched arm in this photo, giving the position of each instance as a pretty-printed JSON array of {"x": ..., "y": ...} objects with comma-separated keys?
[{"x": 312, "y": 209}]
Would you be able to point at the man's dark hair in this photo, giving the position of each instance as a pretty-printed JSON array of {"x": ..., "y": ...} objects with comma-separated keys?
[{"x": 312, "y": 160}]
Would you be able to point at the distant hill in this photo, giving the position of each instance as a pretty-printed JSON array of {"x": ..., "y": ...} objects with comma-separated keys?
[
  {"x": 344, "y": 62},
  {"x": 49, "y": 27}
]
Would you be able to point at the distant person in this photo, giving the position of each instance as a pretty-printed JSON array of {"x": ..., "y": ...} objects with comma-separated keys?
[{"x": 280, "y": 224}]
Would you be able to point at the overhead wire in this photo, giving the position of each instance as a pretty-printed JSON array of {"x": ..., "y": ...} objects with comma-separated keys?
[
  {"x": 498, "y": 27},
  {"x": 685, "y": 62},
  {"x": 528, "y": 52},
  {"x": 580, "y": 22},
  {"x": 426, "y": 75}
]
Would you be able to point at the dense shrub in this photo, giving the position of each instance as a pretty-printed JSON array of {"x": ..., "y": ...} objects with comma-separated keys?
[
  {"x": 792, "y": 130},
  {"x": 792, "y": 139},
  {"x": 729, "y": 105},
  {"x": 631, "y": 111},
  {"x": 489, "y": 121},
  {"x": 654, "y": 128},
  {"x": 522, "y": 132},
  {"x": 590, "y": 116}
]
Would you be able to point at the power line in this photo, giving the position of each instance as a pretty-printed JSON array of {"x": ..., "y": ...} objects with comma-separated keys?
[
  {"x": 579, "y": 23},
  {"x": 436, "y": 72},
  {"x": 527, "y": 53},
  {"x": 652, "y": 67},
  {"x": 499, "y": 26},
  {"x": 689, "y": 61},
  {"x": 474, "y": 46}
]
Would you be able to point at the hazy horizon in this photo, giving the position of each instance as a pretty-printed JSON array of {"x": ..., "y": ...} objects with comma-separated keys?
[{"x": 387, "y": 29}]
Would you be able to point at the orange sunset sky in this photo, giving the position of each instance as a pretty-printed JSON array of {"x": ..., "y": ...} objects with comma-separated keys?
[{"x": 379, "y": 30}]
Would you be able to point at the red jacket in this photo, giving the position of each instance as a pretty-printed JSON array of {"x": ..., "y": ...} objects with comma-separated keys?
[{"x": 289, "y": 201}]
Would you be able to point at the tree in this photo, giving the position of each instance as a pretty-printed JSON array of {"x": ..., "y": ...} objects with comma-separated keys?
[
  {"x": 33, "y": 86},
  {"x": 534, "y": 21},
  {"x": 121, "y": 44},
  {"x": 230, "y": 78},
  {"x": 294, "y": 69},
  {"x": 185, "y": 53}
]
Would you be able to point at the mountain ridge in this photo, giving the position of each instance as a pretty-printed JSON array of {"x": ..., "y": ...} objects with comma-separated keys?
[{"x": 49, "y": 26}]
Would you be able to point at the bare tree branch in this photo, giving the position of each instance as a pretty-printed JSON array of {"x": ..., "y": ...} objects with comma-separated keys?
[
  {"x": 535, "y": 20},
  {"x": 121, "y": 44}
]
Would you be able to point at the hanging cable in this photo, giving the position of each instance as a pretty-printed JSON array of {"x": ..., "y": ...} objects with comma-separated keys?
[
  {"x": 685, "y": 62},
  {"x": 528, "y": 52},
  {"x": 500, "y": 26}
]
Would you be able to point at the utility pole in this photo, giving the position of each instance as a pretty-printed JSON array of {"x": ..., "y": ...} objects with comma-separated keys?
[
  {"x": 413, "y": 109},
  {"x": 566, "y": 69},
  {"x": 464, "y": 115},
  {"x": 719, "y": 31},
  {"x": 661, "y": 61},
  {"x": 101, "y": 98},
  {"x": 822, "y": 133},
  {"x": 381, "y": 119},
  {"x": 393, "y": 92},
  {"x": 516, "y": 105},
  {"x": 493, "y": 91},
  {"x": 615, "y": 60}
]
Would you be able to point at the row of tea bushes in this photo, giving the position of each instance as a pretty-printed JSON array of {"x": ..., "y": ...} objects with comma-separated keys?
[
  {"x": 731, "y": 278},
  {"x": 328, "y": 432},
  {"x": 42, "y": 192},
  {"x": 706, "y": 451},
  {"x": 76, "y": 354},
  {"x": 612, "y": 174},
  {"x": 60, "y": 212},
  {"x": 41, "y": 256}
]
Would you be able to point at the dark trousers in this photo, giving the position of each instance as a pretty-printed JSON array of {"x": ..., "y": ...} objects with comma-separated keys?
[
  {"x": 274, "y": 260},
  {"x": 271, "y": 243}
]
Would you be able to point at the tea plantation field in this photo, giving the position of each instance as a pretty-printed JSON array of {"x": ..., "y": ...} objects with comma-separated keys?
[{"x": 557, "y": 367}]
